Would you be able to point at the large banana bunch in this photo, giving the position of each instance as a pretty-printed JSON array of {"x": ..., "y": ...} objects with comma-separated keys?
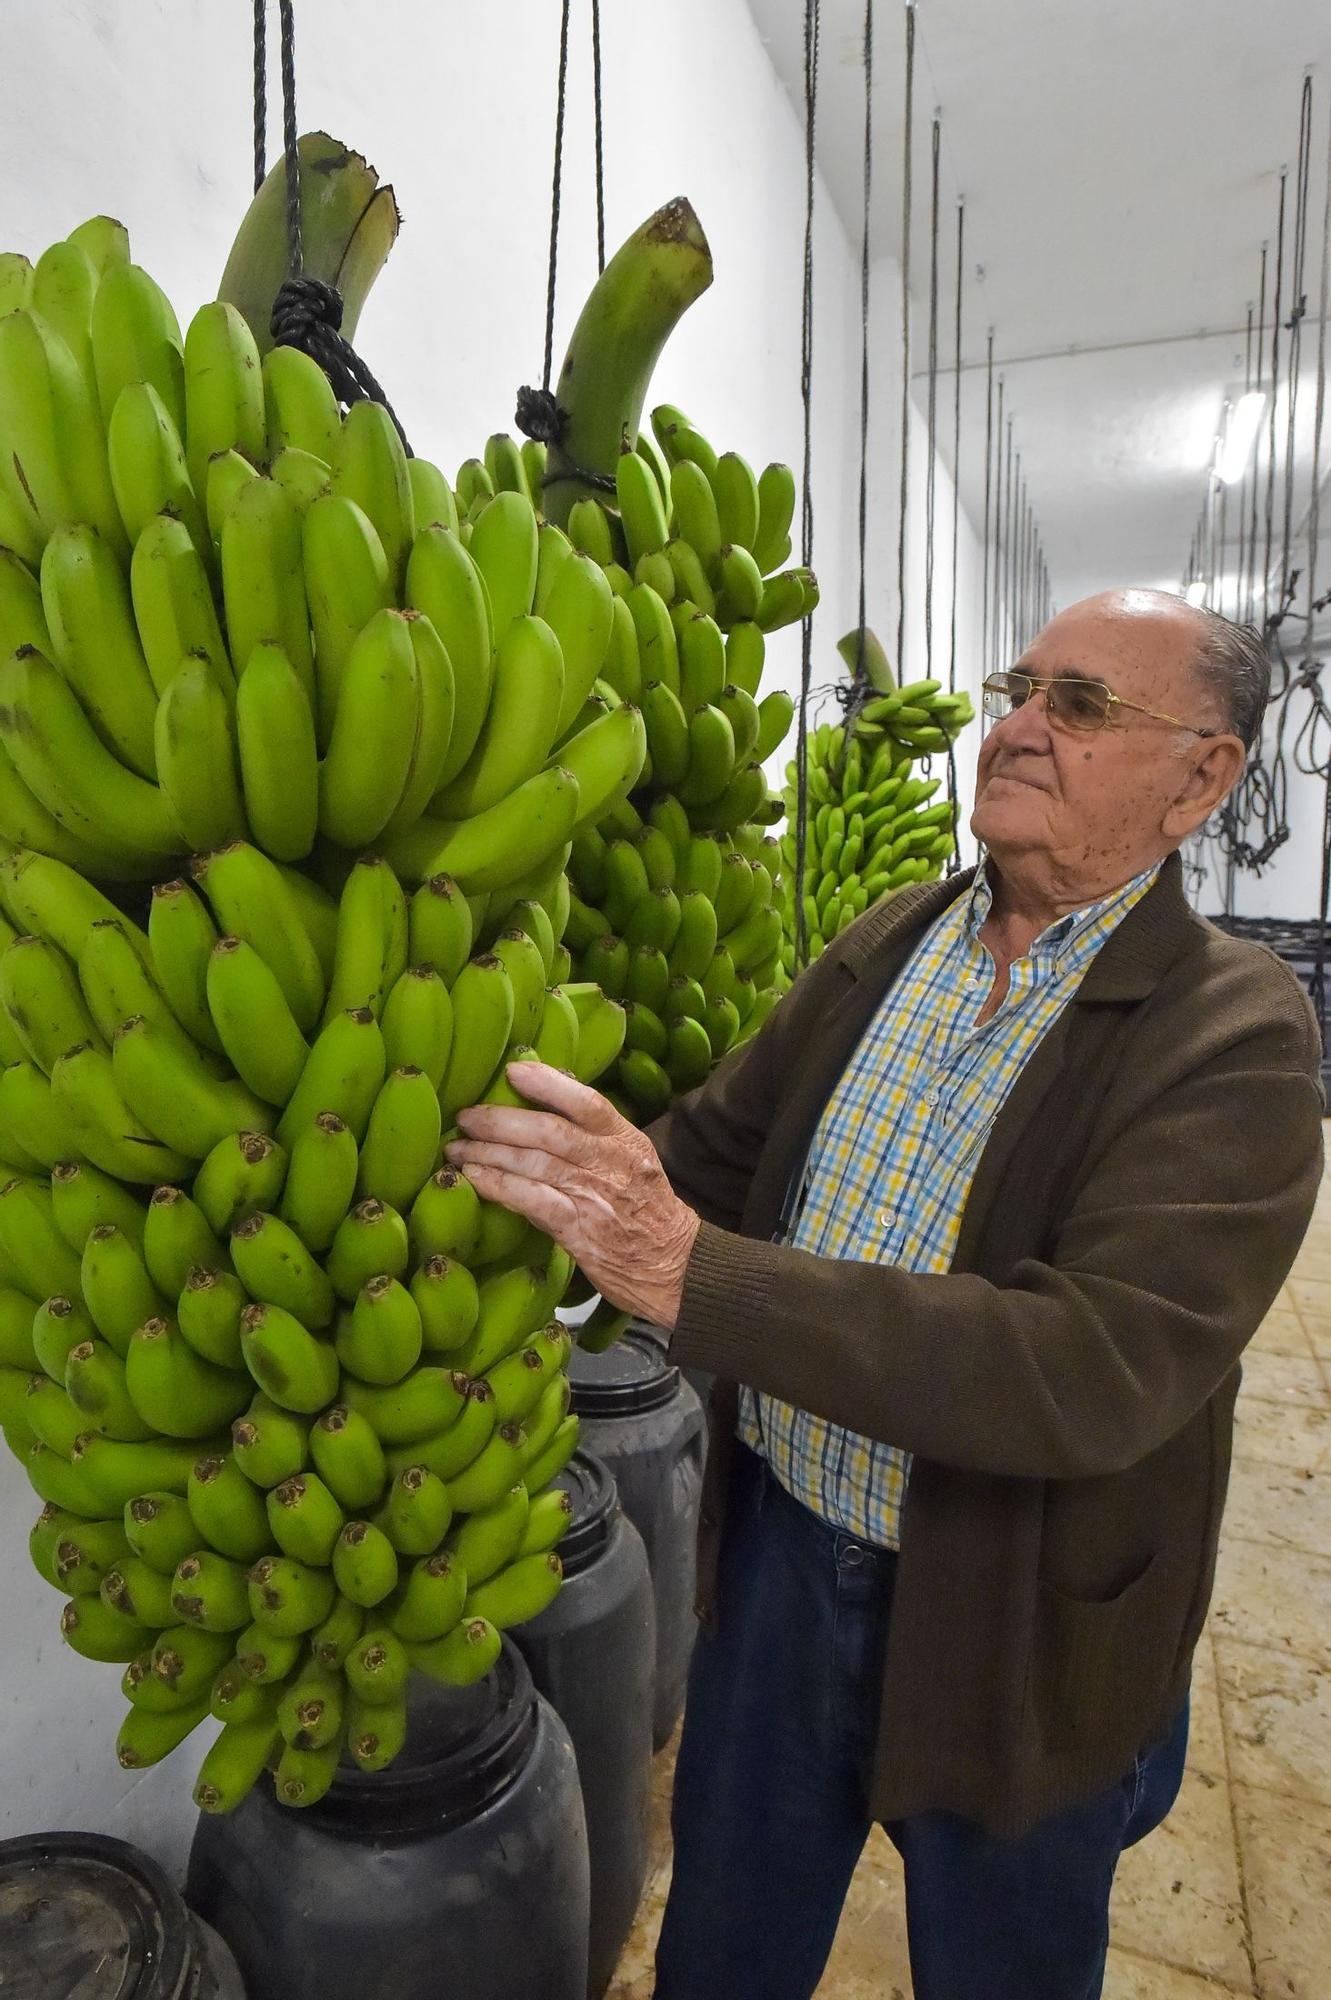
[
  {"x": 873, "y": 825},
  {"x": 674, "y": 911},
  {"x": 292, "y": 1396}
]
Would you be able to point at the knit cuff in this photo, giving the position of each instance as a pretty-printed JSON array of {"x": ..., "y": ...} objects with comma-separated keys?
[{"x": 724, "y": 1314}]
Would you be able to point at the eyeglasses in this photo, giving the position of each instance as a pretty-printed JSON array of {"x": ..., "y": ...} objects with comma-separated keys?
[{"x": 1069, "y": 703}]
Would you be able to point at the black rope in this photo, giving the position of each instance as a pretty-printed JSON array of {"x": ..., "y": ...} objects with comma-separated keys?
[
  {"x": 999, "y": 648},
  {"x": 556, "y": 197},
  {"x": 954, "y": 859},
  {"x": 861, "y": 677},
  {"x": 812, "y": 23},
  {"x": 1250, "y": 608},
  {"x": 906, "y": 195},
  {"x": 307, "y": 312},
  {"x": 1298, "y": 307},
  {"x": 1275, "y": 391},
  {"x": 538, "y": 414},
  {"x": 988, "y": 468},
  {"x": 1310, "y": 674},
  {"x": 931, "y": 462},
  {"x": 260, "y": 90},
  {"x": 600, "y": 135}
]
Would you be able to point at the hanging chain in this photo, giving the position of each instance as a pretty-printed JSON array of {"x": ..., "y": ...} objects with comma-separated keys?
[{"x": 906, "y": 197}]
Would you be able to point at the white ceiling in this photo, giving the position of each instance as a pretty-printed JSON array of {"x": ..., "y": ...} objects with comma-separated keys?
[{"x": 1120, "y": 166}]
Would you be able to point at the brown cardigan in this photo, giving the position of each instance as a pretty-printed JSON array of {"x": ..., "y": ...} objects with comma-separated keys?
[{"x": 1067, "y": 1388}]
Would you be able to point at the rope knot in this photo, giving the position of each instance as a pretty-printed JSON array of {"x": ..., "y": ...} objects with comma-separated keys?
[
  {"x": 301, "y": 305},
  {"x": 539, "y": 416}
]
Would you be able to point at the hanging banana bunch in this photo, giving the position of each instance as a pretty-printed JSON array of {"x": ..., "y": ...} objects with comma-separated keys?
[
  {"x": 873, "y": 825},
  {"x": 289, "y": 777},
  {"x": 666, "y": 592}
]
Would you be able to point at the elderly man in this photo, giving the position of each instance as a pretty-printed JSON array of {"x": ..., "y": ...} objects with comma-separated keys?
[{"x": 981, "y": 1222}]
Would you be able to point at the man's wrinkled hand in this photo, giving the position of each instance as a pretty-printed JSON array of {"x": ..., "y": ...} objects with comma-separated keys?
[{"x": 591, "y": 1180}]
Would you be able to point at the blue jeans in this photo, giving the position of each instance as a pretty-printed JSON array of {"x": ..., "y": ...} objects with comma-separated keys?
[{"x": 770, "y": 1811}]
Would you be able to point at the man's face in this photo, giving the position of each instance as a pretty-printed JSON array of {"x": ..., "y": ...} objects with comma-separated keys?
[{"x": 1093, "y": 801}]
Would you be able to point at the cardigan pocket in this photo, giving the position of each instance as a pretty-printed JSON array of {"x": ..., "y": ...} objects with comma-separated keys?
[{"x": 1096, "y": 1663}]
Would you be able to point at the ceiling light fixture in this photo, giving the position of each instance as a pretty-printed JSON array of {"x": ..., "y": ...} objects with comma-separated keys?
[{"x": 1240, "y": 437}]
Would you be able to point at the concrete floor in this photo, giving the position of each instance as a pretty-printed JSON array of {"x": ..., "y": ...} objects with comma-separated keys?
[{"x": 1233, "y": 1894}]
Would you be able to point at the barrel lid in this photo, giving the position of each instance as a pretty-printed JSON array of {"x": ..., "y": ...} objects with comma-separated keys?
[
  {"x": 88, "y": 1918},
  {"x": 464, "y": 1747},
  {"x": 591, "y": 1487},
  {"x": 630, "y": 1378}
]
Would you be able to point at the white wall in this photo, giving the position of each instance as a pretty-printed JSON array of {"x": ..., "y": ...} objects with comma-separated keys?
[{"x": 143, "y": 111}]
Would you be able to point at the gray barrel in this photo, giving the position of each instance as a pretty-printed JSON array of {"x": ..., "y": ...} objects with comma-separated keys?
[
  {"x": 85, "y": 1917},
  {"x": 461, "y": 1869},
  {"x": 592, "y": 1654},
  {"x": 641, "y": 1418}
]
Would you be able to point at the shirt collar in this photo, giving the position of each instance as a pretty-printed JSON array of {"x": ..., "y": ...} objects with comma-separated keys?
[{"x": 1076, "y": 925}]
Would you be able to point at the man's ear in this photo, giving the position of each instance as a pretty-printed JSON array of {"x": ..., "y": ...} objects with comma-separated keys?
[{"x": 1211, "y": 778}]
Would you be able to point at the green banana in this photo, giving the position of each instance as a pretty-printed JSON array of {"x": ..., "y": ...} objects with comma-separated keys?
[
  {"x": 416, "y": 1511},
  {"x": 179, "y": 1101},
  {"x": 370, "y": 748},
  {"x": 173, "y": 604},
  {"x": 379, "y": 1340},
  {"x": 63, "y": 761},
  {"x": 54, "y": 468},
  {"x": 243, "y": 1173},
  {"x": 370, "y": 1240},
  {"x": 174, "y": 1389},
  {"x": 279, "y": 764},
  {"x": 372, "y": 938},
  {"x": 269, "y": 1443},
  {"x": 521, "y": 722},
  {"x": 114, "y": 1282},
  {"x": 464, "y": 1656},
  {"x": 41, "y": 995},
  {"x": 161, "y": 1530},
  {"x": 402, "y": 1139},
  {"x": 300, "y": 405},
  {"x": 287, "y": 1598},
  {"x": 210, "y": 1591},
  {"x": 305, "y": 1518},
  {"x": 365, "y": 1565},
  {"x": 417, "y": 1020},
  {"x": 253, "y": 1021},
  {"x": 429, "y": 1602},
  {"x": 208, "y": 1310},
  {"x": 346, "y": 583},
  {"x": 349, "y": 1456},
  {"x": 321, "y": 1180},
  {"x": 369, "y": 466},
  {"x": 440, "y": 927},
  {"x": 176, "y": 1237},
  {"x": 276, "y": 1267},
  {"x": 422, "y": 1404},
  {"x": 444, "y": 583},
  {"x": 343, "y": 1074},
  {"x": 224, "y": 408},
  {"x": 263, "y": 584},
  {"x": 253, "y": 900},
  {"x": 504, "y": 549}
]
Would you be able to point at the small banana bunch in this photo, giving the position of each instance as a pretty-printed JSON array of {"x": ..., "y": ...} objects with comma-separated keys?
[
  {"x": 871, "y": 826},
  {"x": 292, "y": 1395}
]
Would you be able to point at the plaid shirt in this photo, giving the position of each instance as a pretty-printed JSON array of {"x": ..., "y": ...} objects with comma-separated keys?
[{"x": 895, "y": 1150}]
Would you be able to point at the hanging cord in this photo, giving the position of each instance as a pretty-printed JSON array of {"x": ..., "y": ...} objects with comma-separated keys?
[
  {"x": 812, "y": 13},
  {"x": 854, "y": 696},
  {"x": 538, "y": 414},
  {"x": 307, "y": 313},
  {"x": 988, "y": 470},
  {"x": 260, "y": 90},
  {"x": 931, "y": 461},
  {"x": 953, "y": 859},
  {"x": 600, "y": 136},
  {"x": 906, "y": 196},
  {"x": 1310, "y": 675},
  {"x": 1275, "y": 393},
  {"x": 1298, "y": 307},
  {"x": 1250, "y": 605},
  {"x": 999, "y": 648}
]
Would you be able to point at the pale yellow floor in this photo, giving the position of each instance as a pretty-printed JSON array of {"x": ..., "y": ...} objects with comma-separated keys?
[{"x": 1233, "y": 1894}]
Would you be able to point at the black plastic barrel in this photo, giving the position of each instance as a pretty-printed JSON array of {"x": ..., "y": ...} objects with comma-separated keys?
[
  {"x": 643, "y": 1420},
  {"x": 461, "y": 1869},
  {"x": 592, "y": 1654},
  {"x": 84, "y": 1917}
]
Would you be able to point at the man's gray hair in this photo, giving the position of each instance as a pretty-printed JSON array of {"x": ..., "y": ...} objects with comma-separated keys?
[{"x": 1235, "y": 666}]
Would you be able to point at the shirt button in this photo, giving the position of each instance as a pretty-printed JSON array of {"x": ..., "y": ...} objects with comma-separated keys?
[
  {"x": 886, "y": 1218},
  {"x": 931, "y": 1098}
]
